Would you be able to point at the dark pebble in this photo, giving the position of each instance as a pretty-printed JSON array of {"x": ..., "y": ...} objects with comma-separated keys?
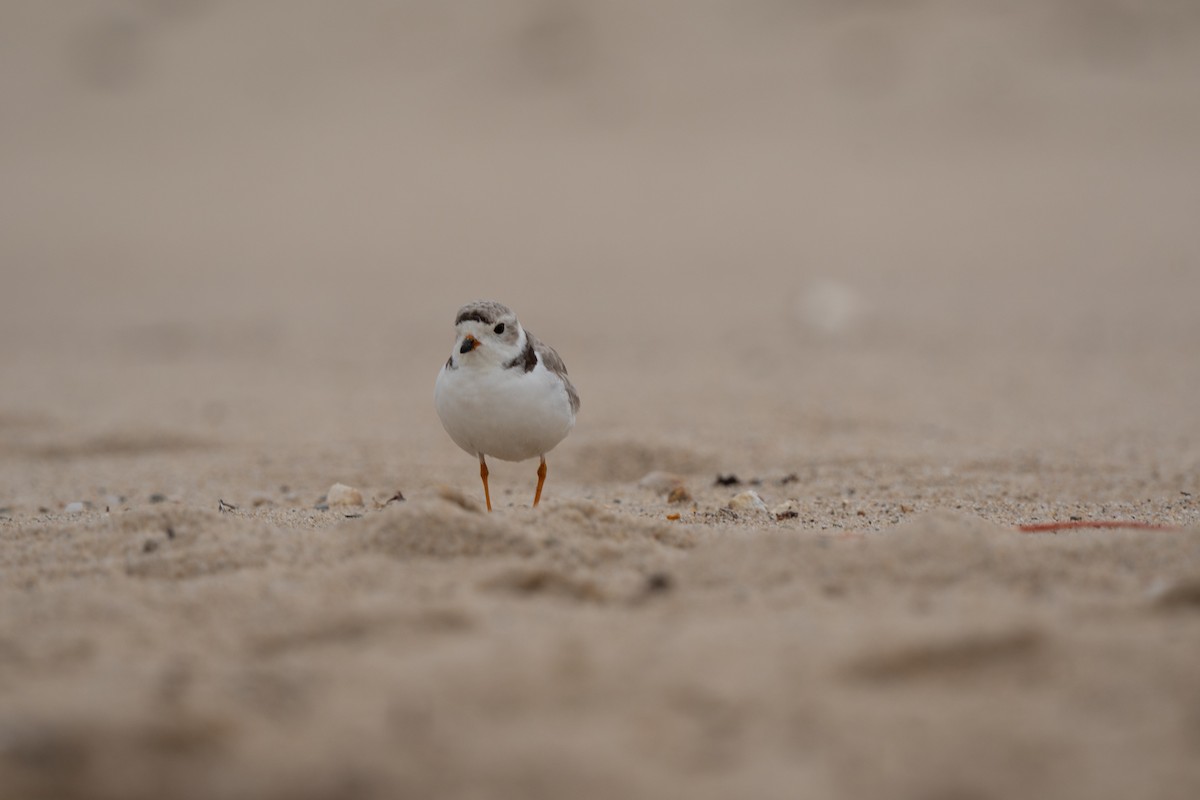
[
  {"x": 158, "y": 497},
  {"x": 1183, "y": 594},
  {"x": 728, "y": 480},
  {"x": 149, "y": 546},
  {"x": 659, "y": 582}
]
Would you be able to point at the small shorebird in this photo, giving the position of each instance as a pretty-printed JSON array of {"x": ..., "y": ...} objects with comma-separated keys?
[{"x": 503, "y": 393}]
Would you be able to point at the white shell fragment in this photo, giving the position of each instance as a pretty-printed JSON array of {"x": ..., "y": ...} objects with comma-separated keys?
[
  {"x": 748, "y": 501},
  {"x": 342, "y": 495},
  {"x": 75, "y": 508}
]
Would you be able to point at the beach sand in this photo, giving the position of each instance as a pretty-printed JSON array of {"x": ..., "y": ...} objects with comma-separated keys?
[{"x": 917, "y": 274}]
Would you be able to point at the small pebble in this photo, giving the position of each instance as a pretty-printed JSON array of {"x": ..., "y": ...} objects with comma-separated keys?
[
  {"x": 728, "y": 480},
  {"x": 342, "y": 495},
  {"x": 673, "y": 517},
  {"x": 149, "y": 546},
  {"x": 748, "y": 501},
  {"x": 1183, "y": 593},
  {"x": 74, "y": 508},
  {"x": 261, "y": 499},
  {"x": 679, "y": 495},
  {"x": 661, "y": 482},
  {"x": 786, "y": 510},
  {"x": 658, "y": 582},
  {"x": 158, "y": 497}
]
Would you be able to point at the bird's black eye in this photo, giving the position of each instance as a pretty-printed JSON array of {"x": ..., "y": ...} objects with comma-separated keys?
[{"x": 499, "y": 328}]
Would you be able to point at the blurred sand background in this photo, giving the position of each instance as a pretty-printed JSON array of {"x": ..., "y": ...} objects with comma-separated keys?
[{"x": 928, "y": 270}]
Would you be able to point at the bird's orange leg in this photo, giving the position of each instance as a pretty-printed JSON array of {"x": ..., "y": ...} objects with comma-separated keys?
[
  {"x": 483, "y": 473},
  {"x": 541, "y": 479}
]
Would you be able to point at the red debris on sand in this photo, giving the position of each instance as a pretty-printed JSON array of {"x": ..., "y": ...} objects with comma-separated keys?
[{"x": 1044, "y": 527}]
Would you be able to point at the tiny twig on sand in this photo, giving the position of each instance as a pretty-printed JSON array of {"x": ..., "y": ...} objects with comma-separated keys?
[{"x": 1047, "y": 527}]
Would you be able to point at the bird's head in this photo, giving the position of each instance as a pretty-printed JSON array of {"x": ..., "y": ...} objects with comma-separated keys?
[{"x": 487, "y": 333}]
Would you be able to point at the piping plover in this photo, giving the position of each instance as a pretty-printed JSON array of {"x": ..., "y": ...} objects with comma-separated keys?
[{"x": 503, "y": 393}]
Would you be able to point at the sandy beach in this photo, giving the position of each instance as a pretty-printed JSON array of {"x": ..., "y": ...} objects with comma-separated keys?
[{"x": 916, "y": 274}]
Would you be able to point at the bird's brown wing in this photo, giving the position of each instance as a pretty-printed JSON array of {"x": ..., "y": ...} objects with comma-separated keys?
[{"x": 553, "y": 362}]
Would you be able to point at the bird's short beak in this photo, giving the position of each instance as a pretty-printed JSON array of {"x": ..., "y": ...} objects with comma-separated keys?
[{"x": 469, "y": 344}]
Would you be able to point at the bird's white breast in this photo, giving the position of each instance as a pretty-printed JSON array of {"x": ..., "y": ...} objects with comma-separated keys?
[{"x": 506, "y": 413}]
